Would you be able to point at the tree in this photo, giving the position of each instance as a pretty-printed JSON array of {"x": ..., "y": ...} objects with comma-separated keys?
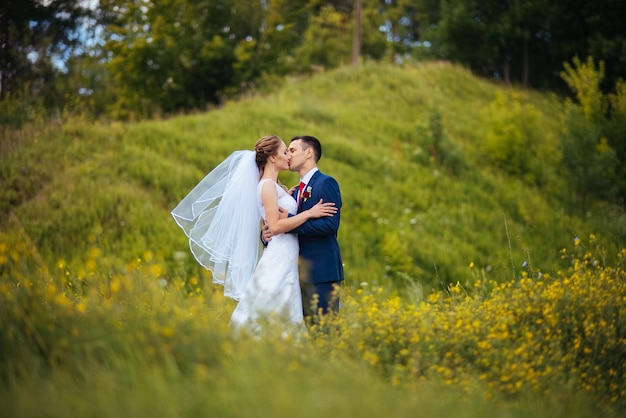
[
  {"x": 327, "y": 41},
  {"x": 592, "y": 28},
  {"x": 356, "y": 37},
  {"x": 269, "y": 44},
  {"x": 615, "y": 129},
  {"x": 33, "y": 34},
  {"x": 587, "y": 154},
  {"x": 172, "y": 55},
  {"x": 527, "y": 41},
  {"x": 493, "y": 36},
  {"x": 330, "y": 35},
  {"x": 405, "y": 22},
  {"x": 169, "y": 55}
]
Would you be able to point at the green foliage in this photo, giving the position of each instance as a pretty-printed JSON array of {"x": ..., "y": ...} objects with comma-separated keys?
[
  {"x": 525, "y": 41},
  {"x": 615, "y": 128},
  {"x": 583, "y": 79},
  {"x": 166, "y": 58},
  {"x": 374, "y": 43},
  {"x": 517, "y": 141},
  {"x": 86, "y": 87},
  {"x": 33, "y": 33},
  {"x": 405, "y": 143},
  {"x": 539, "y": 332},
  {"x": 25, "y": 169},
  {"x": 406, "y": 22},
  {"x": 441, "y": 152},
  {"x": 131, "y": 343},
  {"x": 18, "y": 109},
  {"x": 586, "y": 151},
  {"x": 141, "y": 59},
  {"x": 459, "y": 279},
  {"x": 457, "y": 30},
  {"x": 327, "y": 41},
  {"x": 589, "y": 159}
]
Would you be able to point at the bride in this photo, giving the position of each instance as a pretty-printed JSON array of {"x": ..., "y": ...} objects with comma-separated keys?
[{"x": 221, "y": 218}]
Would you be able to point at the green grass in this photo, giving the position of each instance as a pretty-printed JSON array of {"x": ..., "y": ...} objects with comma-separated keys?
[
  {"x": 131, "y": 345},
  {"x": 159, "y": 392},
  {"x": 378, "y": 125},
  {"x": 105, "y": 313}
]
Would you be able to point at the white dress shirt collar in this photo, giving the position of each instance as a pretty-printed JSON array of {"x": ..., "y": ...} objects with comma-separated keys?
[{"x": 308, "y": 175}]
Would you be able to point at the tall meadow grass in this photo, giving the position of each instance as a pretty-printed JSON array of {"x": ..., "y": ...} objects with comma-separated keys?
[
  {"x": 415, "y": 150},
  {"x": 133, "y": 344},
  {"x": 473, "y": 287}
]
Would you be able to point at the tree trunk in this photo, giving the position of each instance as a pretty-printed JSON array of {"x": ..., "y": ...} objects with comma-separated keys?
[
  {"x": 356, "y": 41},
  {"x": 4, "y": 48},
  {"x": 506, "y": 69},
  {"x": 525, "y": 69}
]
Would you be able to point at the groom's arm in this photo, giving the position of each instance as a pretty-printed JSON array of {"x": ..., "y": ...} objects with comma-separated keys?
[
  {"x": 319, "y": 227},
  {"x": 328, "y": 225},
  {"x": 266, "y": 234}
]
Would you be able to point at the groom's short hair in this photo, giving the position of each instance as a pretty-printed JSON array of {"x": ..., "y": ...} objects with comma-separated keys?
[{"x": 310, "y": 141}]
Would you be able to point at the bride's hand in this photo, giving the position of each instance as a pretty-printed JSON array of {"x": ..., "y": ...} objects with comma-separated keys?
[{"x": 322, "y": 209}]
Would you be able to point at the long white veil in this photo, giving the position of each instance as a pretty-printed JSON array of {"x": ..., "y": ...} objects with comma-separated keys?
[{"x": 222, "y": 220}]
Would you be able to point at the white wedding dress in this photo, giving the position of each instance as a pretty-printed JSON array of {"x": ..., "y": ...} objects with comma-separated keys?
[{"x": 273, "y": 292}]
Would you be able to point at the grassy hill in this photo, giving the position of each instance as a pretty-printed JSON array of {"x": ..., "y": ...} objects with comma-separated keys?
[
  {"x": 426, "y": 191},
  {"x": 475, "y": 285}
]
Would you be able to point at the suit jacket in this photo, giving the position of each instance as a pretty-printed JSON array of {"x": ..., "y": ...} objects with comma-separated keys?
[{"x": 319, "y": 249}]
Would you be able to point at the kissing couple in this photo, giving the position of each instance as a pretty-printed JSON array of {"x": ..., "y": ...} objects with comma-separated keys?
[{"x": 221, "y": 216}]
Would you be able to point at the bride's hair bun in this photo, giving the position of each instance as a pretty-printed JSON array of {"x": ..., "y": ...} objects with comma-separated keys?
[{"x": 266, "y": 147}]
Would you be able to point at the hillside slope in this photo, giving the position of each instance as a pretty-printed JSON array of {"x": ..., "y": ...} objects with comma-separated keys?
[{"x": 428, "y": 196}]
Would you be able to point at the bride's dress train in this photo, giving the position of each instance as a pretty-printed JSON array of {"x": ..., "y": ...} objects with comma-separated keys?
[{"x": 273, "y": 292}]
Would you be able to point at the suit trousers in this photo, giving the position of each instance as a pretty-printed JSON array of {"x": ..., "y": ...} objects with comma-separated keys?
[{"x": 324, "y": 296}]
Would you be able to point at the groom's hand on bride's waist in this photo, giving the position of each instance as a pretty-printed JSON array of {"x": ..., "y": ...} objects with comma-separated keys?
[{"x": 266, "y": 234}]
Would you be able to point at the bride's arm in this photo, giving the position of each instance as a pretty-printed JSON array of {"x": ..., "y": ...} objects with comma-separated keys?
[{"x": 278, "y": 225}]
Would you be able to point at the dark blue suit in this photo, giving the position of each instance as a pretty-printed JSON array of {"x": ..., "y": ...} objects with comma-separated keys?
[{"x": 320, "y": 259}]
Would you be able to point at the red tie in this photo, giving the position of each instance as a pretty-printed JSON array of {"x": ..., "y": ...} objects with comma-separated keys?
[{"x": 300, "y": 191}]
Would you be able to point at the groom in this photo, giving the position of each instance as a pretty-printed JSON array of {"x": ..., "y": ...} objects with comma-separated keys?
[{"x": 321, "y": 269}]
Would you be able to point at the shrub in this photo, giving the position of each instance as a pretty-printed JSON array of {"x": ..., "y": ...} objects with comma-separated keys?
[{"x": 538, "y": 334}]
